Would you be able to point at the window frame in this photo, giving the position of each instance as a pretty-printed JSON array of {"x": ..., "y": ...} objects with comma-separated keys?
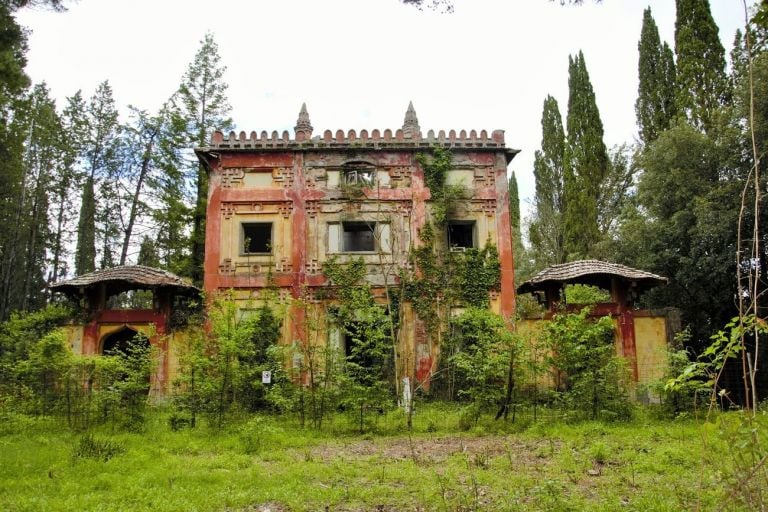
[
  {"x": 363, "y": 176},
  {"x": 269, "y": 243},
  {"x": 461, "y": 248},
  {"x": 381, "y": 237}
]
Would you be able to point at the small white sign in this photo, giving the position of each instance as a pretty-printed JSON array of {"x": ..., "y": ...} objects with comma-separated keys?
[
  {"x": 266, "y": 377},
  {"x": 407, "y": 395}
]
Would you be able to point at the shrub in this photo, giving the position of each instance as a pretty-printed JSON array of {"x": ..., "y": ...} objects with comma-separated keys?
[{"x": 90, "y": 447}]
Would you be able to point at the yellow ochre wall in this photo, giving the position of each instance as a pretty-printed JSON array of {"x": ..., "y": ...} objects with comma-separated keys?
[{"x": 650, "y": 343}]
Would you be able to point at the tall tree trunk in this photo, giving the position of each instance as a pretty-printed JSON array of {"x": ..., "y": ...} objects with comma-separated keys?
[{"x": 145, "y": 162}]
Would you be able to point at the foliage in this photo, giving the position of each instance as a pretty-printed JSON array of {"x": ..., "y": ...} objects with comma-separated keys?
[
  {"x": 540, "y": 467},
  {"x": 203, "y": 106},
  {"x": 546, "y": 231},
  {"x": 684, "y": 397},
  {"x": 587, "y": 372},
  {"x": 586, "y": 163},
  {"x": 477, "y": 272},
  {"x": 19, "y": 334},
  {"x": 221, "y": 370},
  {"x": 91, "y": 447},
  {"x": 726, "y": 345},
  {"x": 701, "y": 80},
  {"x": 480, "y": 353},
  {"x": 585, "y": 294},
  {"x": 365, "y": 378},
  {"x": 655, "y": 106},
  {"x": 442, "y": 196},
  {"x": 523, "y": 267}
]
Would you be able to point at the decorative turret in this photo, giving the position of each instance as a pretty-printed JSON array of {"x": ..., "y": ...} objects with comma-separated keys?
[
  {"x": 411, "y": 128},
  {"x": 303, "y": 128}
]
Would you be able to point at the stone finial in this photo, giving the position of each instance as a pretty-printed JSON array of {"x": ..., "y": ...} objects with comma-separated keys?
[
  {"x": 303, "y": 126},
  {"x": 411, "y": 124}
]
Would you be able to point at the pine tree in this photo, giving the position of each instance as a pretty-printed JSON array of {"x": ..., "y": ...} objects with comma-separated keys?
[
  {"x": 586, "y": 163},
  {"x": 43, "y": 158},
  {"x": 13, "y": 133},
  {"x": 148, "y": 253},
  {"x": 25, "y": 240},
  {"x": 546, "y": 231},
  {"x": 655, "y": 105},
  {"x": 171, "y": 214},
  {"x": 140, "y": 139},
  {"x": 203, "y": 101},
  {"x": 100, "y": 159},
  {"x": 74, "y": 130},
  {"x": 702, "y": 84}
]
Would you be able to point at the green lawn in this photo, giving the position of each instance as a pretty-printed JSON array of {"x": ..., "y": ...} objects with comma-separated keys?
[{"x": 271, "y": 464}]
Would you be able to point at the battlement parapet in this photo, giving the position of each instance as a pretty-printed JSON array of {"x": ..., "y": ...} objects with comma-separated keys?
[{"x": 364, "y": 139}]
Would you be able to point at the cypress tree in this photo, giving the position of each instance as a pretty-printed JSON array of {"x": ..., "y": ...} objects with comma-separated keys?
[
  {"x": 100, "y": 159},
  {"x": 701, "y": 79},
  {"x": 514, "y": 209},
  {"x": 655, "y": 105},
  {"x": 586, "y": 163},
  {"x": 85, "y": 253},
  {"x": 546, "y": 230}
]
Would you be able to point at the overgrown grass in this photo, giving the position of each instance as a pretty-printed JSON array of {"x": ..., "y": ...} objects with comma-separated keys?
[{"x": 270, "y": 462}]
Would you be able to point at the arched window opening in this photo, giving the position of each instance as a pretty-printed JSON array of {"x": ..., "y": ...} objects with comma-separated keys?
[{"x": 120, "y": 340}]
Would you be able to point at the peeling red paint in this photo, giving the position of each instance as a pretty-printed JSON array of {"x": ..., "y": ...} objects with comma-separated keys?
[{"x": 300, "y": 169}]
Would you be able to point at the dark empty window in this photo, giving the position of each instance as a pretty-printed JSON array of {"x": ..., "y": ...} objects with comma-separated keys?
[
  {"x": 358, "y": 237},
  {"x": 461, "y": 234},
  {"x": 358, "y": 176},
  {"x": 257, "y": 237}
]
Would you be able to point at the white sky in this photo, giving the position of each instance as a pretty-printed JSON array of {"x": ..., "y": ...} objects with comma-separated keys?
[{"x": 357, "y": 63}]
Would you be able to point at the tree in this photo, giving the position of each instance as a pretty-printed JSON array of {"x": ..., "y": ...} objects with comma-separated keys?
[
  {"x": 74, "y": 128},
  {"x": 100, "y": 161},
  {"x": 586, "y": 369},
  {"x": 522, "y": 265},
  {"x": 684, "y": 228},
  {"x": 655, "y": 105},
  {"x": 43, "y": 159},
  {"x": 546, "y": 231},
  {"x": 203, "y": 103},
  {"x": 702, "y": 84},
  {"x": 150, "y": 147},
  {"x": 171, "y": 213},
  {"x": 483, "y": 353},
  {"x": 13, "y": 46},
  {"x": 615, "y": 188},
  {"x": 586, "y": 163}
]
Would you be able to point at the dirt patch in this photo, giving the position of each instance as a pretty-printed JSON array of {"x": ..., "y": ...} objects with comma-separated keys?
[
  {"x": 262, "y": 507},
  {"x": 440, "y": 448}
]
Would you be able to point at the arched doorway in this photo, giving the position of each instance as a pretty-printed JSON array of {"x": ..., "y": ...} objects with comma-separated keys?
[{"x": 120, "y": 340}]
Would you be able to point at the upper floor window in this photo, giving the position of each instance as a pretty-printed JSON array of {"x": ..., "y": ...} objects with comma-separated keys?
[
  {"x": 257, "y": 237},
  {"x": 360, "y": 176},
  {"x": 461, "y": 235},
  {"x": 358, "y": 236}
]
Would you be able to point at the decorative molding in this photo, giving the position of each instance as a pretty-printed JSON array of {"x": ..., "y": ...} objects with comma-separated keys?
[
  {"x": 484, "y": 177},
  {"x": 283, "y": 175},
  {"x": 283, "y": 266},
  {"x": 226, "y": 267},
  {"x": 285, "y": 209},
  {"x": 313, "y": 266},
  {"x": 312, "y": 208},
  {"x": 227, "y": 210},
  {"x": 232, "y": 177}
]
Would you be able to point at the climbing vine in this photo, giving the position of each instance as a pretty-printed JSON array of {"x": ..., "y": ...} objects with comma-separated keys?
[{"x": 441, "y": 278}]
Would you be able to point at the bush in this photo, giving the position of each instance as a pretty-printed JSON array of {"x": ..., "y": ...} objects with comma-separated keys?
[
  {"x": 589, "y": 377},
  {"x": 90, "y": 447}
]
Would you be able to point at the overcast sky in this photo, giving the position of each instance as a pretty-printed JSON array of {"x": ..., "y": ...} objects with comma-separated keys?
[{"x": 357, "y": 63}]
